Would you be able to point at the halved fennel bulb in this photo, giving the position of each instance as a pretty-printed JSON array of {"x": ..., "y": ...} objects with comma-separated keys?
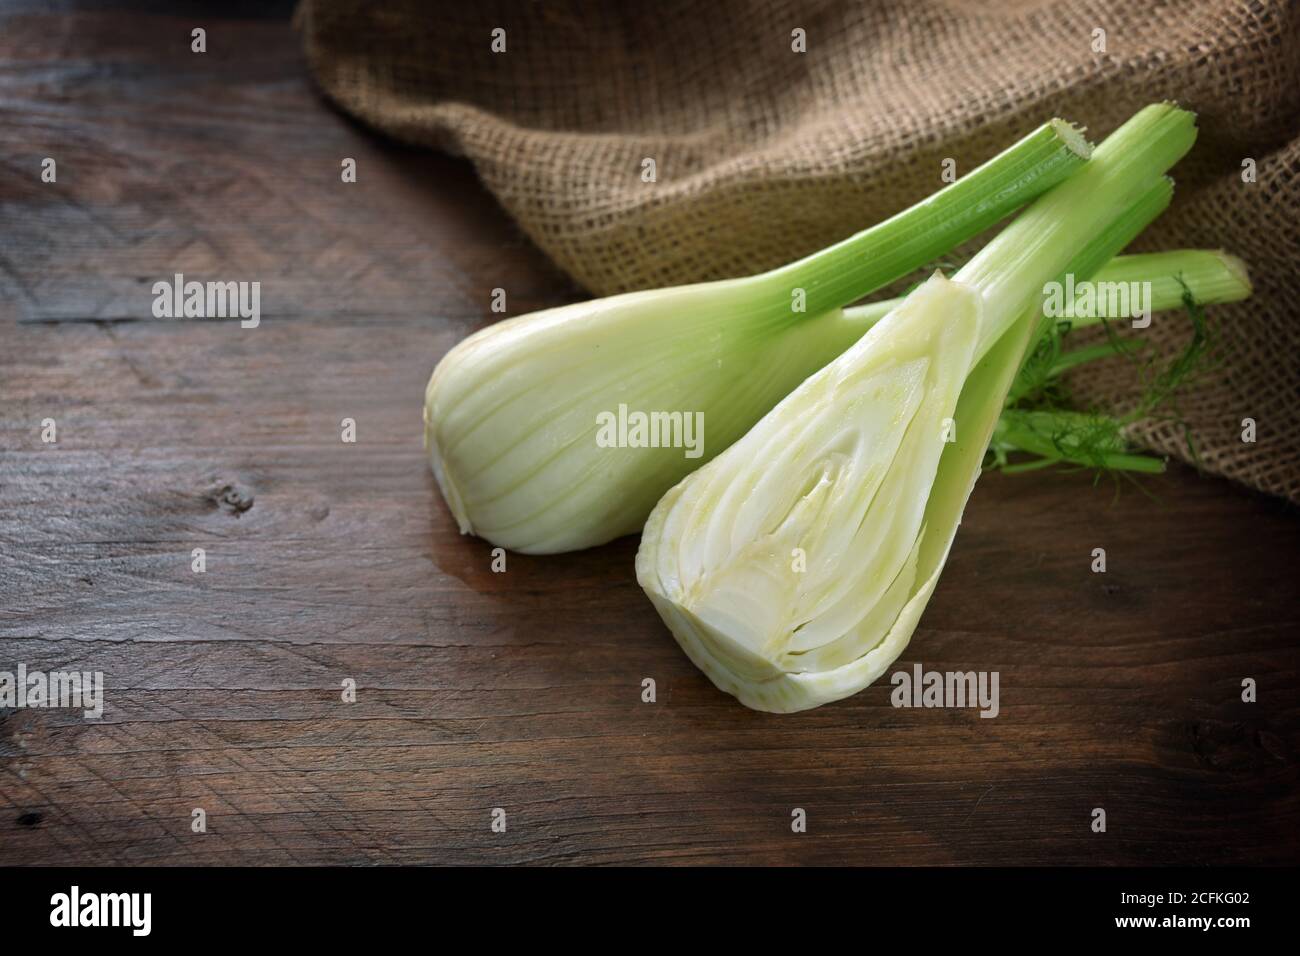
[
  {"x": 794, "y": 567},
  {"x": 791, "y": 594}
]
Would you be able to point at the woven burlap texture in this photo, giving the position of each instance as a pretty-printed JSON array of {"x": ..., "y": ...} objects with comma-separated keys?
[{"x": 763, "y": 154}]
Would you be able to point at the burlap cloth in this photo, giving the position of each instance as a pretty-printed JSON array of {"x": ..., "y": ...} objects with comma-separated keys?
[{"x": 763, "y": 154}]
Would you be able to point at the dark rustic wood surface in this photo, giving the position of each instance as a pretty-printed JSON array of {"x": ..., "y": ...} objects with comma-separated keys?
[{"x": 520, "y": 690}]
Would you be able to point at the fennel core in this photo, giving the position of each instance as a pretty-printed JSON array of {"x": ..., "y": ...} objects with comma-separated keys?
[{"x": 794, "y": 567}]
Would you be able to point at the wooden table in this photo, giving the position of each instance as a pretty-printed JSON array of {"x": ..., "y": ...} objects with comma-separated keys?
[{"x": 328, "y": 561}]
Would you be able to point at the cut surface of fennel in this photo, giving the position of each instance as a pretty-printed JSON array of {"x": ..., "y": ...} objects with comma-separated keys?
[{"x": 788, "y": 597}]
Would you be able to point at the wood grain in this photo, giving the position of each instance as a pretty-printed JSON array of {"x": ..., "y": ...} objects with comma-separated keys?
[{"x": 328, "y": 561}]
